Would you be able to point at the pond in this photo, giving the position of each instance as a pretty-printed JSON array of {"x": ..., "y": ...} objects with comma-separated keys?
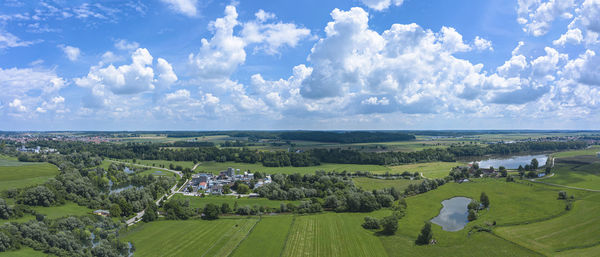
[
  {"x": 453, "y": 216},
  {"x": 512, "y": 162},
  {"x": 121, "y": 188},
  {"x": 127, "y": 170}
]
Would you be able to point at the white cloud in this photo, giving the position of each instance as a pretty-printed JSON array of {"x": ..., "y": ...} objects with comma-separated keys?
[
  {"x": 8, "y": 40},
  {"x": 166, "y": 74},
  {"x": 572, "y": 36},
  {"x": 125, "y": 45},
  {"x": 29, "y": 89},
  {"x": 380, "y": 5},
  {"x": 71, "y": 52},
  {"x": 483, "y": 44},
  {"x": 186, "y": 7},
  {"x": 453, "y": 41},
  {"x": 590, "y": 15},
  {"x": 17, "y": 105},
  {"x": 537, "y": 15},
  {"x": 273, "y": 35}
]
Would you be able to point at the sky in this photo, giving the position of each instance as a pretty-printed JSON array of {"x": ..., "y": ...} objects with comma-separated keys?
[{"x": 279, "y": 64}]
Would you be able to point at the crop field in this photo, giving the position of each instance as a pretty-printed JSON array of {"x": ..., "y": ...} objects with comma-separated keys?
[
  {"x": 331, "y": 234},
  {"x": 369, "y": 184},
  {"x": 577, "y": 171},
  {"x": 25, "y": 175},
  {"x": 590, "y": 151},
  {"x": 579, "y": 228},
  {"x": 271, "y": 229},
  {"x": 215, "y": 167},
  {"x": 429, "y": 169},
  {"x": 200, "y": 202},
  {"x": 189, "y": 238}
]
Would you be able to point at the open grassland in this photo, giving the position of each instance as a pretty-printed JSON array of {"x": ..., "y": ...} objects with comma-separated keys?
[
  {"x": 589, "y": 151},
  {"x": 190, "y": 237},
  {"x": 579, "y": 228},
  {"x": 26, "y": 175},
  {"x": 271, "y": 229},
  {"x": 369, "y": 184},
  {"x": 162, "y": 163},
  {"x": 578, "y": 171},
  {"x": 200, "y": 202},
  {"x": 331, "y": 234},
  {"x": 429, "y": 169},
  {"x": 511, "y": 203},
  {"x": 24, "y": 252},
  {"x": 54, "y": 212},
  {"x": 215, "y": 167}
]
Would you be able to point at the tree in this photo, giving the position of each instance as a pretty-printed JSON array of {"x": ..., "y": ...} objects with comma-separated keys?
[
  {"x": 371, "y": 223},
  {"x": 150, "y": 213},
  {"x": 115, "y": 210},
  {"x": 425, "y": 236},
  {"x": 485, "y": 201},
  {"x": 226, "y": 189},
  {"x": 5, "y": 211},
  {"x": 562, "y": 195},
  {"x": 38, "y": 196},
  {"x": 503, "y": 172},
  {"x": 243, "y": 189},
  {"x": 390, "y": 225},
  {"x": 5, "y": 242},
  {"x": 225, "y": 208},
  {"x": 211, "y": 212},
  {"x": 534, "y": 164},
  {"x": 472, "y": 215}
]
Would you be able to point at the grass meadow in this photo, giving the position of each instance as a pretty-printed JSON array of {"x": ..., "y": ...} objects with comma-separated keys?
[
  {"x": 271, "y": 229},
  {"x": 25, "y": 175},
  {"x": 369, "y": 184},
  {"x": 200, "y": 202},
  {"x": 577, "y": 171},
  {"x": 190, "y": 237},
  {"x": 429, "y": 169}
]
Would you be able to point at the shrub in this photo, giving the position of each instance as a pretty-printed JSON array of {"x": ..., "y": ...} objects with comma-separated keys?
[
  {"x": 390, "y": 225},
  {"x": 371, "y": 223},
  {"x": 425, "y": 235}
]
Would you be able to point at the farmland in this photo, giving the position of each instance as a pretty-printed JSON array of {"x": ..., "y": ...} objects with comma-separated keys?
[
  {"x": 56, "y": 212},
  {"x": 190, "y": 237},
  {"x": 215, "y": 167},
  {"x": 273, "y": 229},
  {"x": 23, "y": 252},
  {"x": 23, "y": 175},
  {"x": 429, "y": 169}
]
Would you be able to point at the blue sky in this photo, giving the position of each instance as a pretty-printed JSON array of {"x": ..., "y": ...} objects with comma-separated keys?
[{"x": 273, "y": 64}]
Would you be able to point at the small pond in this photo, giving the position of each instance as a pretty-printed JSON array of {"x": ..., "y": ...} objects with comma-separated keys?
[
  {"x": 121, "y": 188},
  {"x": 453, "y": 216},
  {"x": 127, "y": 170},
  {"x": 512, "y": 162}
]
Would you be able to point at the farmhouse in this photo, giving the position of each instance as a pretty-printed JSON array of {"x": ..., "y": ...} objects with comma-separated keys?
[{"x": 104, "y": 213}]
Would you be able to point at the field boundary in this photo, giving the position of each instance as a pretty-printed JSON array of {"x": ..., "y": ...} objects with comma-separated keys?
[
  {"x": 578, "y": 247},
  {"x": 517, "y": 244},
  {"x": 287, "y": 237},
  {"x": 245, "y": 237}
]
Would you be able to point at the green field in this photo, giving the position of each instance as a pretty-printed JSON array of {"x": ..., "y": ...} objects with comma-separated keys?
[
  {"x": 579, "y": 228},
  {"x": 215, "y": 167},
  {"x": 577, "y": 171},
  {"x": 158, "y": 163},
  {"x": 590, "y": 151},
  {"x": 429, "y": 169},
  {"x": 24, "y": 252},
  {"x": 54, "y": 212},
  {"x": 332, "y": 234},
  {"x": 271, "y": 229},
  {"x": 189, "y": 238},
  {"x": 26, "y": 175},
  {"x": 369, "y": 184},
  {"x": 200, "y": 202}
]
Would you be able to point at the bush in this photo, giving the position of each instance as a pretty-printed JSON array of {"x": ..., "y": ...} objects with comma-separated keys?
[
  {"x": 5, "y": 242},
  {"x": 225, "y": 208},
  {"x": 390, "y": 225},
  {"x": 371, "y": 223},
  {"x": 562, "y": 195},
  {"x": 485, "y": 201},
  {"x": 211, "y": 212},
  {"x": 38, "y": 196},
  {"x": 425, "y": 235},
  {"x": 472, "y": 215}
]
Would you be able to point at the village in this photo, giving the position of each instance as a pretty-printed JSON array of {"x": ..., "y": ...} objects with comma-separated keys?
[{"x": 204, "y": 183}]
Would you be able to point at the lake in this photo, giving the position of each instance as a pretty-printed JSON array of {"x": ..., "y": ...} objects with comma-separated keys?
[
  {"x": 453, "y": 216},
  {"x": 512, "y": 162}
]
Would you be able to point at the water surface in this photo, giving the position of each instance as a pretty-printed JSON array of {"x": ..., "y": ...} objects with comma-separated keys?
[
  {"x": 453, "y": 216},
  {"x": 512, "y": 162}
]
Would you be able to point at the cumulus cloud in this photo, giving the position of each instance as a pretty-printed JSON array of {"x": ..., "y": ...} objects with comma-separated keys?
[
  {"x": 537, "y": 16},
  {"x": 186, "y": 7},
  {"x": 380, "y": 5},
  {"x": 106, "y": 84},
  {"x": 25, "y": 90},
  {"x": 71, "y": 52},
  {"x": 482, "y": 44},
  {"x": 572, "y": 36},
  {"x": 272, "y": 36},
  {"x": 125, "y": 45}
]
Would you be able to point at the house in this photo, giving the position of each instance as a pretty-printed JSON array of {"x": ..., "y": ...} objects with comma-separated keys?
[
  {"x": 104, "y": 213},
  {"x": 202, "y": 185}
]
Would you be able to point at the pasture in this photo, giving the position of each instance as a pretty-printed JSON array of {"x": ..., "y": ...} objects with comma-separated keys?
[
  {"x": 189, "y": 237},
  {"x": 579, "y": 228},
  {"x": 23, "y": 252},
  {"x": 369, "y": 184},
  {"x": 332, "y": 234},
  {"x": 25, "y": 175},
  {"x": 200, "y": 202},
  {"x": 54, "y": 212},
  {"x": 578, "y": 171},
  {"x": 215, "y": 167}
]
